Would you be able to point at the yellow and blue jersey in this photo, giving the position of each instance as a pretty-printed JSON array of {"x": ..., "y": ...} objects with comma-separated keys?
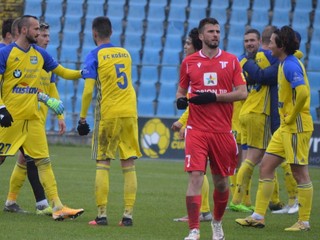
[
  {"x": 110, "y": 67},
  {"x": 258, "y": 100},
  {"x": 21, "y": 70},
  {"x": 291, "y": 74}
]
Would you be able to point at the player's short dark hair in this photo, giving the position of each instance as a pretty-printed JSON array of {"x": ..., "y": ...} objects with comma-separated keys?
[
  {"x": 286, "y": 37},
  {"x": 194, "y": 36},
  {"x": 6, "y": 27},
  {"x": 266, "y": 33},
  {"x": 103, "y": 26},
  {"x": 24, "y": 21},
  {"x": 253, "y": 30},
  {"x": 44, "y": 25},
  {"x": 205, "y": 21}
]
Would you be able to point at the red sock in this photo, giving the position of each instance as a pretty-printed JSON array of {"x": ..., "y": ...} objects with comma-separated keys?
[
  {"x": 193, "y": 208},
  {"x": 220, "y": 200}
]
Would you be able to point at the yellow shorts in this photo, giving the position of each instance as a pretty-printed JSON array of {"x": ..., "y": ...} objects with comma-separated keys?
[
  {"x": 115, "y": 136},
  {"x": 28, "y": 134},
  {"x": 255, "y": 130},
  {"x": 293, "y": 147}
]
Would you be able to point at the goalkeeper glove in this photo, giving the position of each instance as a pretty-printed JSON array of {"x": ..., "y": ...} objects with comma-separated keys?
[
  {"x": 5, "y": 118},
  {"x": 182, "y": 103},
  {"x": 203, "y": 98},
  {"x": 54, "y": 104},
  {"x": 83, "y": 128}
]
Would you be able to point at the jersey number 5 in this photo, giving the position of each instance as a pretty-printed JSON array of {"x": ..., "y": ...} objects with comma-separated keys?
[{"x": 121, "y": 75}]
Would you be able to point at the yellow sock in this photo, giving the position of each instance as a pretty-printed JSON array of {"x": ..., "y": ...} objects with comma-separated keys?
[
  {"x": 305, "y": 195},
  {"x": 130, "y": 189},
  {"x": 247, "y": 196},
  {"x": 263, "y": 197},
  {"x": 48, "y": 181},
  {"x": 290, "y": 183},
  {"x": 243, "y": 177},
  {"x": 275, "y": 194},
  {"x": 18, "y": 176},
  {"x": 102, "y": 188},
  {"x": 233, "y": 182},
  {"x": 205, "y": 207}
]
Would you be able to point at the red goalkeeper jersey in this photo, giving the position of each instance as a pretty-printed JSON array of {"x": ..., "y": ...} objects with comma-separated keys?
[{"x": 217, "y": 75}]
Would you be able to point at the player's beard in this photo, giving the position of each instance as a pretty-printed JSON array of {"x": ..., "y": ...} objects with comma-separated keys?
[
  {"x": 211, "y": 44},
  {"x": 30, "y": 39}
]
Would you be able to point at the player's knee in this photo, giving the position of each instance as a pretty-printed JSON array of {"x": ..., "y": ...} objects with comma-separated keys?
[
  {"x": 38, "y": 162},
  {"x": 2, "y": 158}
]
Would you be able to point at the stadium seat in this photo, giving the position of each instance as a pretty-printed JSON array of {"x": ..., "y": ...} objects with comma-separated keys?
[
  {"x": 134, "y": 74},
  {"x": 112, "y": 13},
  {"x": 135, "y": 56},
  {"x": 261, "y": 5},
  {"x": 57, "y": 6},
  {"x": 150, "y": 56},
  {"x": 153, "y": 41},
  {"x": 95, "y": 9},
  {"x": 177, "y": 12},
  {"x": 168, "y": 90},
  {"x": 239, "y": 16},
  {"x": 235, "y": 45},
  {"x": 313, "y": 62},
  {"x": 162, "y": 3},
  {"x": 155, "y": 27},
  {"x": 71, "y": 38},
  {"x": 166, "y": 108},
  {"x": 74, "y": 8},
  {"x": 314, "y": 98},
  {"x": 259, "y": 19},
  {"x": 149, "y": 74},
  {"x": 219, "y": 13},
  {"x": 236, "y": 30},
  {"x": 69, "y": 54},
  {"x": 314, "y": 80},
  {"x": 116, "y": 39},
  {"x": 136, "y": 10},
  {"x": 72, "y": 24},
  {"x": 52, "y": 50},
  {"x": 156, "y": 12},
  {"x": 54, "y": 23},
  {"x": 280, "y": 17},
  {"x": 173, "y": 42},
  {"x": 199, "y": 3},
  {"x": 134, "y": 26},
  {"x": 145, "y": 108},
  {"x": 171, "y": 56},
  {"x": 179, "y": 3},
  {"x": 220, "y": 4},
  {"x": 169, "y": 74},
  {"x": 175, "y": 27},
  {"x": 32, "y": 7},
  {"x": 133, "y": 41},
  {"x": 197, "y": 12},
  {"x": 283, "y": 4}
]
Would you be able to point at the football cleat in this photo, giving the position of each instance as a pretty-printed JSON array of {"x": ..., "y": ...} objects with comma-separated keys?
[
  {"x": 240, "y": 208},
  {"x": 298, "y": 226},
  {"x": 194, "y": 234},
  {"x": 102, "y": 221},
  {"x": 250, "y": 222},
  {"x": 44, "y": 210},
  {"x": 294, "y": 208},
  {"x": 66, "y": 212},
  {"x": 276, "y": 206},
  {"x": 14, "y": 208},
  {"x": 205, "y": 217},
  {"x": 126, "y": 222},
  {"x": 217, "y": 231}
]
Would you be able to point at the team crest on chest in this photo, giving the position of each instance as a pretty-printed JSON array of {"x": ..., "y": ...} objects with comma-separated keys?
[
  {"x": 33, "y": 59},
  {"x": 210, "y": 79}
]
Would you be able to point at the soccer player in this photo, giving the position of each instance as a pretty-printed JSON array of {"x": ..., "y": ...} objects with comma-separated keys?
[
  {"x": 214, "y": 80},
  {"x": 192, "y": 45},
  {"x": 6, "y": 32},
  {"x": 21, "y": 64},
  {"x": 290, "y": 142},
  {"x": 254, "y": 119},
  {"x": 22, "y": 167},
  {"x": 266, "y": 76},
  {"x": 108, "y": 68}
]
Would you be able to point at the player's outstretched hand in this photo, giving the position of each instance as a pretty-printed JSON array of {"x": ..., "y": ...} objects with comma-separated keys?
[
  {"x": 203, "y": 98},
  {"x": 182, "y": 103},
  {"x": 5, "y": 118},
  {"x": 83, "y": 128},
  {"x": 53, "y": 103}
]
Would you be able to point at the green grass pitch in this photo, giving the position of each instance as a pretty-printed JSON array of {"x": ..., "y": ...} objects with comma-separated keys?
[{"x": 161, "y": 197}]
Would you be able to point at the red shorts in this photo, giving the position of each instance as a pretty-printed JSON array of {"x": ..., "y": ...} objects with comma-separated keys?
[{"x": 220, "y": 148}]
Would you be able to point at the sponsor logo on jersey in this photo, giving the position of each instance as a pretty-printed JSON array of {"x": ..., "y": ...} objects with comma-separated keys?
[
  {"x": 24, "y": 88},
  {"x": 210, "y": 79},
  {"x": 33, "y": 59},
  {"x": 17, "y": 73}
]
